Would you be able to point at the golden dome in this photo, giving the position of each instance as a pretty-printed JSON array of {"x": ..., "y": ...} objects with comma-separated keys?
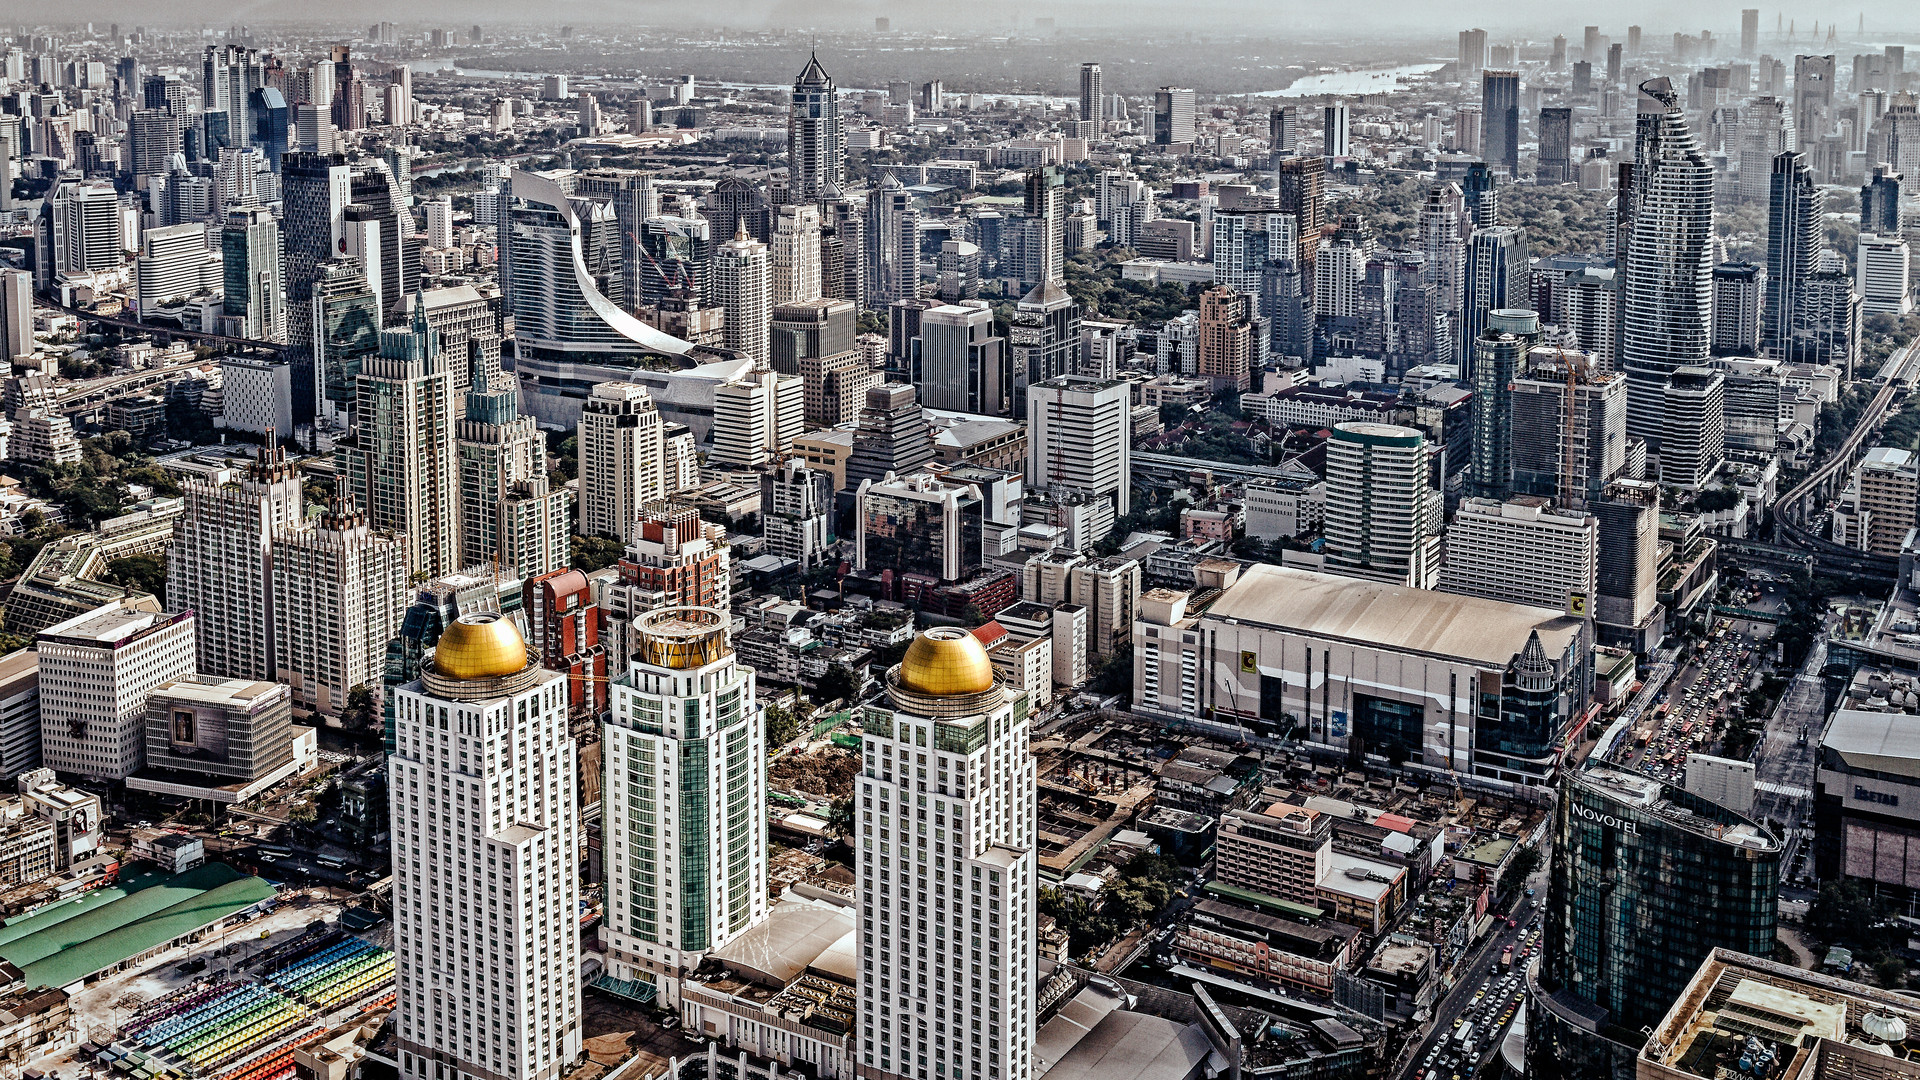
[
  {"x": 946, "y": 662},
  {"x": 480, "y": 646}
]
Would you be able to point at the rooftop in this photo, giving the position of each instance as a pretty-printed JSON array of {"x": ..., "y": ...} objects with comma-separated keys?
[
  {"x": 1886, "y": 742},
  {"x": 1391, "y": 617}
]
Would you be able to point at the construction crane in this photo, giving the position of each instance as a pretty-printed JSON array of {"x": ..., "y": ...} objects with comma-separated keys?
[{"x": 1568, "y": 480}]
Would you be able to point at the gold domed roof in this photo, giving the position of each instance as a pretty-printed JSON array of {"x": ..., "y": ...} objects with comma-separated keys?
[
  {"x": 480, "y": 646},
  {"x": 944, "y": 662}
]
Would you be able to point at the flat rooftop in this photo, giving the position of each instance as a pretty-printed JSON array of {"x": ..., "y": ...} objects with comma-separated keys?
[
  {"x": 1391, "y": 617},
  {"x": 1885, "y": 742}
]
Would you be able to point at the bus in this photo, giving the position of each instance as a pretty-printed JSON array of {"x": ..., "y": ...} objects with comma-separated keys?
[
  {"x": 1463, "y": 1038},
  {"x": 331, "y": 863}
]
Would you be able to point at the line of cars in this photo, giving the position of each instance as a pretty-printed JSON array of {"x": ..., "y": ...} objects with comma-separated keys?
[
  {"x": 1685, "y": 724},
  {"x": 1483, "y": 1023}
]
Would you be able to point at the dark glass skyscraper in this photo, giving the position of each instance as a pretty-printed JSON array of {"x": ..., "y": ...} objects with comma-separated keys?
[
  {"x": 1499, "y": 357},
  {"x": 816, "y": 145},
  {"x": 1647, "y": 880},
  {"x": 1795, "y": 209},
  {"x": 1500, "y": 112}
]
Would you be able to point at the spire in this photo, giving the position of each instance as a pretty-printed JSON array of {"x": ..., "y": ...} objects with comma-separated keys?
[{"x": 813, "y": 74}]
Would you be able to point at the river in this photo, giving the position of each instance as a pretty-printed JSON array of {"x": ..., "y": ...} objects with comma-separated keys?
[{"x": 1354, "y": 83}]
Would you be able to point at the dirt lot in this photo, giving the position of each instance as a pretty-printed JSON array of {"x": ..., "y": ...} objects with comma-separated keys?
[{"x": 825, "y": 770}]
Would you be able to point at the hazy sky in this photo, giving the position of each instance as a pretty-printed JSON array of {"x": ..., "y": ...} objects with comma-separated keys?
[{"x": 1884, "y": 18}]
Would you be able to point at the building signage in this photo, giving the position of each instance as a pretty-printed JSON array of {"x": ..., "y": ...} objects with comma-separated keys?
[{"x": 1631, "y": 828}]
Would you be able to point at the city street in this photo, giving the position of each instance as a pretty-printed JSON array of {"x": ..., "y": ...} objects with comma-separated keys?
[
  {"x": 1784, "y": 758},
  {"x": 1474, "y": 976}
]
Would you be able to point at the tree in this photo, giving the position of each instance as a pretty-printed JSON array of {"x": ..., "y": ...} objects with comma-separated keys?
[
  {"x": 837, "y": 683},
  {"x": 782, "y": 726},
  {"x": 361, "y": 712},
  {"x": 1847, "y": 911},
  {"x": 591, "y": 553},
  {"x": 143, "y": 573},
  {"x": 1525, "y": 862}
]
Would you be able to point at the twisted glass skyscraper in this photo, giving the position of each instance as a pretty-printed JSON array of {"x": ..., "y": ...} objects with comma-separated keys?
[{"x": 1667, "y": 309}]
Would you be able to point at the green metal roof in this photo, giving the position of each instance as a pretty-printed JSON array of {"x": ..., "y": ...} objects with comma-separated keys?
[
  {"x": 102, "y": 935},
  {"x": 1261, "y": 900},
  {"x": 61, "y": 910}
]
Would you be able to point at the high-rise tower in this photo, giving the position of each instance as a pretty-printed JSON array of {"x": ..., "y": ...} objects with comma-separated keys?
[
  {"x": 400, "y": 462},
  {"x": 816, "y": 145},
  {"x": 949, "y": 741},
  {"x": 486, "y": 909},
  {"x": 219, "y": 565},
  {"x": 1796, "y": 230},
  {"x": 1667, "y": 302},
  {"x": 685, "y": 793},
  {"x": 1092, "y": 103}
]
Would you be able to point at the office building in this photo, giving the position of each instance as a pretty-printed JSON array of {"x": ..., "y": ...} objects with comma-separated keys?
[
  {"x": 1814, "y": 1025},
  {"x": 1648, "y": 881},
  {"x": 892, "y": 436},
  {"x": 564, "y": 286},
  {"x": 1880, "y": 203},
  {"x": 816, "y": 144},
  {"x": 1556, "y": 165},
  {"x": 1264, "y": 630},
  {"x": 684, "y": 800},
  {"x": 1881, "y": 265},
  {"x": 1694, "y": 427},
  {"x": 1473, "y": 52},
  {"x": 944, "y": 702},
  {"x": 220, "y": 563},
  {"x": 1766, "y": 131},
  {"x": 1830, "y": 330},
  {"x": 19, "y": 713},
  {"x": 1523, "y": 551},
  {"x": 1667, "y": 291},
  {"x": 253, "y": 277},
  {"x": 796, "y": 512},
  {"x": 96, "y": 671},
  {"x": 1497, "y": 277},
  {"x": 964, "y": 367},
  {"x": 85, "y": 229},
  {"x": 1302, "y": 186},
  {"x": 794, "y": 262},
  {"x": 1335, "y": 140},
  {"x": 810, "y": 328},
  {"x": 1500, "y": 111},
  {"x": 1740, "y": 293},
  {"x": 755, "y": 419},
  {"x": 315, "y": 189},
  {"x": 1079, "y": 439},
  {"x": 1227, "y": 348},
  {"x": 1627, "y": 609},
  {"x": 1499, "y": 356},
  {"x": 481, "y": 697},
  {"x": 1173, "y": 116},
  {"x": 343, "y": 327},
  {"x": 1814, "y": 87},
  {"x": 1092, "y": 99},
  {"x": 742, "y": 286},
  {"x": 622, "y": 459},
  {"x": 222, "y": 740},
  {"x": 400, "y": 463},
  {"x": 892, "y": 244},
  {"x": 340, "y": 589},
  {"x": 1866, "y": 788},
  {"x": 1383, "y": 516},
  {"x": 1796, "y": 232},
  {"x": 918, "y": 525},
  {"x": 1567, "y": 459}
]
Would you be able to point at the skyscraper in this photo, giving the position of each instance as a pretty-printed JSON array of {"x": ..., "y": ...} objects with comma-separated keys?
[
  {"x": 315, "y": 189},
  {"x": 343, "y": 318},
  {"x": 340, "y": 590},
  {"x": 1473, "y": 53},
  {"x": 1334, "y": 137},
  {"x": 622, "y": 454},
  {"x": 1092, "y": 100},
  {"x": 795, "y": 253},
  {"x": 1500, "y": 108},
  {"x": 1283, "y": 130},
  {"x": 892, "y": 244},
  {"x": 816, "y": 145},
  {"x": 1796, "y": 231},
  {"x": 1499, "y": 356},
  {"x": 255, "y": 295},
  {"x": 1880, "y": 202},
  {"x": 755, "y": 419},
  {"x": 96, "y": 671},
  {"x": 1667, "y": 302},
  {"x": 1813, "y": 100},
  {"x": 1646, "y": 882},
  {"x": 964, "y": 366},
  {"x": 1302, "y": 186},
  {"x": 1384, "y": 516},
  {"x": 1496, "y": 278},
  {"x": 1749, "y": 31},
  {"x": 1079, "y": 439},
  {"x": 1226, "y": 350},
  {"x": 511, "y": 515},
  {"x": 892, "y": 435},
  {"x": 1173, "y": 116},
  {"x": 1766, "y": 129},
  {"x": 220, "y": 565},
  {"x": 742, "y": 286},
  {"x": 1556, "y": 147},
  {"x": 400, "y": 463},
  {"x": 484, "y": 728},
  {"x": 685, "y": 789},
  {"x": 945, "y": 704}
]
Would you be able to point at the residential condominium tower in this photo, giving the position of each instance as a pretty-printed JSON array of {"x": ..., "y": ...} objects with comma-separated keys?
[
  {"x": 683, "y": 799},
  {"x": 486, "y": 843},
  {"x": 220, "y": 564},
  {"x": 945, "y": 811}
]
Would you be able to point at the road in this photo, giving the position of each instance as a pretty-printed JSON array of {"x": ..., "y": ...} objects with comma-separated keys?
[
  {"x": 1783, "y": 759},
  {"x": 1472, "y": 977},
  {"x": 1795, "y": 504}
]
